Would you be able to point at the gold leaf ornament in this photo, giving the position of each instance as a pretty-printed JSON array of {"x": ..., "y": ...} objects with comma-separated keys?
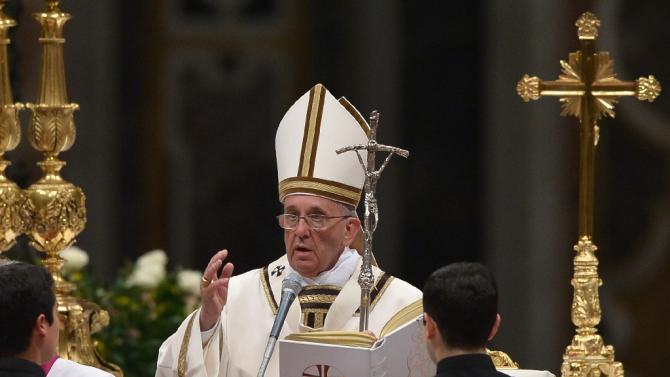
[
  {"x": 528, "y": 88},
  {"x": 648, "y": 88},
  {"x": 587, "y": 26}
]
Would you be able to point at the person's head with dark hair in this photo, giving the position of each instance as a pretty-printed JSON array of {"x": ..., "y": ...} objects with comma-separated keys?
[
  {"x": 460, "y": 303},
  {"x": 29, "y": 325}
]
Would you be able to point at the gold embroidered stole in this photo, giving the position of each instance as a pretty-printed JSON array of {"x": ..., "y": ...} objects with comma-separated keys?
[{"x": 315, "y": 301}]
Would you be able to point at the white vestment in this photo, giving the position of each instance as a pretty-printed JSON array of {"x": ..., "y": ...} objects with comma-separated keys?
[
  {"x": 236, "y": 348},
  {"x": 67, "y": 368}
]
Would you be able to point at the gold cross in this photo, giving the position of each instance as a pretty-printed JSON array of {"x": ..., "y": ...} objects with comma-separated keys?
[{"x": 588, "y": 89}]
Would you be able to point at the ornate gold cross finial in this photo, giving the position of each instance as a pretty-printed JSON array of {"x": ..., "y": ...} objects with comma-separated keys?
[
  {"x": 587, "y": 26},
  {"x": 53, "y": 5},
  {"x": 588, "y": 89}
]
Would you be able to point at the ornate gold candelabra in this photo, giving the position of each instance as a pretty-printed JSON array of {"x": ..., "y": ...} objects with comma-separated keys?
[
  {"x": 56, "y": 207},
  {"x": 588, "y": 89},
  {"x": 11, "y": 197}
]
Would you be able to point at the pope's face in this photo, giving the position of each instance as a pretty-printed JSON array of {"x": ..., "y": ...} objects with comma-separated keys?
[{"x": 312, "y": 251}]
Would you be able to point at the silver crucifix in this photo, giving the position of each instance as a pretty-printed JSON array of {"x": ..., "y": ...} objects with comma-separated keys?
[{"x": 366, "y": 278}]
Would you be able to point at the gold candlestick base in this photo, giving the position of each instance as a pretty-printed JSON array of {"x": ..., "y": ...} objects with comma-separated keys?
[
  {"x": 81, "y": 319},
  {"x": 587, "y": 355}
]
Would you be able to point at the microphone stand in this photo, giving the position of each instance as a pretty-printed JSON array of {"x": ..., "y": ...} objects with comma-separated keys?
[{"x": 291, "y": 286}]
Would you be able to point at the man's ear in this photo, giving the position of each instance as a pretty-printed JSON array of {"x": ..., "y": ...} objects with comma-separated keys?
[
  {"x": 494, "y": 329},
  {"x": 352, "y": 227},
  {"x": 430, "y": 327},
  {"x": 41, "y": 325}
]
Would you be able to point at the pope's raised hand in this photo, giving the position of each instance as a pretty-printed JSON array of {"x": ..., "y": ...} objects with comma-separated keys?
[{"x": 214, "y": 290}]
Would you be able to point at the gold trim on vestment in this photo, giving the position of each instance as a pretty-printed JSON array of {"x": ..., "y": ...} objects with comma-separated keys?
[
  {"x": 317, "y": 305},
  {"x": 325, "y": 286},
  {"x": 320, "y": 298},
  {"x": 268, "y": 292},
  {"x": 183, "y": 351},
  {"x": 319, "y": 317},
  {"x": 381, "y": 291},
  {"x": 406, "y": 314},
  {"x": 317, "y": 310}
]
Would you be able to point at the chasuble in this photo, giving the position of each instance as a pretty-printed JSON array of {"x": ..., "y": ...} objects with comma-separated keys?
[{"x": 236, "y": 347}]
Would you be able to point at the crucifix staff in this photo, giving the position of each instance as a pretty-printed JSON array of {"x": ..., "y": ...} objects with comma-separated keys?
[
  {"x": 366, "y": 278},
  {"x": 588, "y": 89}
]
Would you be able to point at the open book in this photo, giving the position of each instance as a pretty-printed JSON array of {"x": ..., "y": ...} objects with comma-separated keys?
[
  {"x": 400, "y": 351},
  {"x": 360, "y": 339}
]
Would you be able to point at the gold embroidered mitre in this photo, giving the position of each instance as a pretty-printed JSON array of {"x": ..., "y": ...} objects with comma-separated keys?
[{"x": 312, "y": 129}]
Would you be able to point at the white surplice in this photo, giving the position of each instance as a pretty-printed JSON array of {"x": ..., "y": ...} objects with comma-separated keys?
[
  {"x": 236, "y": 347},
  {"x": 67, "y": 368}
]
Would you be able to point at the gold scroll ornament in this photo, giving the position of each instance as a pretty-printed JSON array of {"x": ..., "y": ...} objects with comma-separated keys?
[
  {"x": 57, "y": 207},
  {"x": 588, "y": 89}
]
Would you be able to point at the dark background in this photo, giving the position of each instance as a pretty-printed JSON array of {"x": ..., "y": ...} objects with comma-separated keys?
[{"x": 180, "y": 101}]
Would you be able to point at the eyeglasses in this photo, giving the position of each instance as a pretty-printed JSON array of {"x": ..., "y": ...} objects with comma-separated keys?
[{"x": 314, "y": 221}]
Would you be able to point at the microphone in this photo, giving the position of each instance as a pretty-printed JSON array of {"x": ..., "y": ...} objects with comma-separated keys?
[{"x": 290, "y": 287}]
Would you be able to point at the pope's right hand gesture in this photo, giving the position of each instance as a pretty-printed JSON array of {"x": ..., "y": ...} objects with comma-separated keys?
[{"x": 214, "y": 290}]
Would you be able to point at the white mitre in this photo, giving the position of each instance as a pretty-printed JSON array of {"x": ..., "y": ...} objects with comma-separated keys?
[{"x": 309, "y": 134}]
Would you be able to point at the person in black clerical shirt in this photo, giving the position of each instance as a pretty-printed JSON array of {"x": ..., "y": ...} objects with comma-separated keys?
[
  {"x": 28, "y": 319},
  {"x": 460, "y": 303}
]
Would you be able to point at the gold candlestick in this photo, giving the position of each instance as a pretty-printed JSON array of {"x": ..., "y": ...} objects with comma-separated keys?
[
  {"x": 57, "y": 207},
  {"x": 11, "y": 197},
  {"x": 588, "y": 89}
]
